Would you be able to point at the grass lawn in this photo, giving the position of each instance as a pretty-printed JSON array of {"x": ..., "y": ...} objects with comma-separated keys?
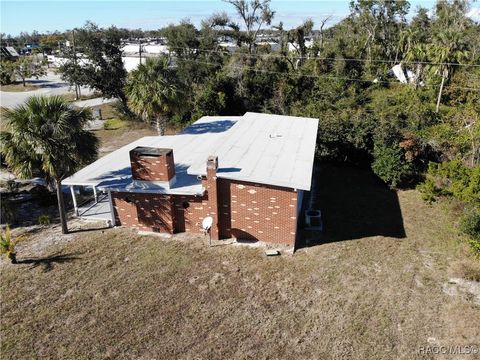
[
  {"x": 115, "y": 138},
  {"x": 18, "y": 87},
  {"x": 366, "y": 291},
  {"x": 117, "y": 133}
]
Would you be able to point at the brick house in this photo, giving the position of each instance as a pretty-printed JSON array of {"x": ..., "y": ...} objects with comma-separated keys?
[{"x": 247, "y": 172}]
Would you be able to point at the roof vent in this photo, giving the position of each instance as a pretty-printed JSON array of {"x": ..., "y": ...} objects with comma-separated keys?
[{"x": 275, "y": 135}]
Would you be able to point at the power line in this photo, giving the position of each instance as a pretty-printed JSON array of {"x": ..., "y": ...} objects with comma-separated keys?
[
  {"x": 376, "y": 81},
  {"x": 224, "y": 52}
]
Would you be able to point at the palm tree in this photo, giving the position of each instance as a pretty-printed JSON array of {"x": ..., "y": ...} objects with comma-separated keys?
[
  {"x": 47, "y": 134},
  {"x": 417, "y": 54},
  {"x": 448, "y": 49},
  {"x": 406, "y": 41},
  {"x": 153, "y": 91}
]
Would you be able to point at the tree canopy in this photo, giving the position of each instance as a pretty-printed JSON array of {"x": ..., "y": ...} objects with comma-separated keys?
[{"x": 47, "y": 135}]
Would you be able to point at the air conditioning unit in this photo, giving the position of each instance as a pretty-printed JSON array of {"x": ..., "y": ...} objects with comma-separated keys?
[{"x": 313, "y": 219}]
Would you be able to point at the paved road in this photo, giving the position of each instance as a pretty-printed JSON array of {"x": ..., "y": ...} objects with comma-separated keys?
[
  {"x": 93, "y": 102},
  {"x": 51, "y": 84}
]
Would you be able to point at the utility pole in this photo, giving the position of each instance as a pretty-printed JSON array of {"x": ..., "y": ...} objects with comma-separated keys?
[
  {"x": 140, "y": 50},
  {"x": 77, "y": 87}
]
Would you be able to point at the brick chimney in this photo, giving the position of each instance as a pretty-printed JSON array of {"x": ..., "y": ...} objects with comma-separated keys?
[
  {"x": 152, "y": 164},
  {"x": 212, "y": 166},
  {"x": 212, "y": 193}
]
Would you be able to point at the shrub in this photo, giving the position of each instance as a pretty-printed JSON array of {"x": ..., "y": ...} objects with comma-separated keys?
[
  {"x": 6, "y": 73},
  {"x": 44, "y": 219},
  {"x": 428, "y": 190},
  {"x": 8, "y": 210},
  {"x": 470, "y": 225},
  {"x": 123, "y": 112},
  {"x": 114, "y": 124},
  {"x": 12, "y": 186},
  {"x": 452, "y": 178},
  {"x": 7, "y": 245},
  {"x": 43, "y": 196},
  {"x": 389, "y": 164}
]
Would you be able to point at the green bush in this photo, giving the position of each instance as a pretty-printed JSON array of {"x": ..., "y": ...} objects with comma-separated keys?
[
  {"x": 453, "y": 179},
  {"x": 8, "y": 210},
  {"x": 6, "y": 73},
  {"x": 389, "y": 164},
  {"x": 114, "y": 124},
  {"x": 428, "y": 190},
  {"x": 44, "y": 219},
  {"x": 123, "y": 112},
  {"x": 43, "y": 196},
  {"x": 470, "y": 225}
]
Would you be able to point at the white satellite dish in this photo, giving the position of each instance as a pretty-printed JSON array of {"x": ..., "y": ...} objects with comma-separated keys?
[{"x": 207, "y": 223}]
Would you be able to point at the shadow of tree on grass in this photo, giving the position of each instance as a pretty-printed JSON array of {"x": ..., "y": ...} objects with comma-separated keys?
[{"x": 48, "y": 262}]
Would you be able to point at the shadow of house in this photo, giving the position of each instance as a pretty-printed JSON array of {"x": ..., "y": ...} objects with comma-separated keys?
[
  {"x": 355, "y": 204},
  {"x": 209, "y": 127},
  {"x": 48, "y": 262},
  {"x": 244, "y": 236},
  {"x": 123, "y": 177},
  {"x": 228, "y": 170}
]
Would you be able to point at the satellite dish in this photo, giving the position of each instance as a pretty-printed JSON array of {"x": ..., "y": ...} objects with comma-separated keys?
[{"x": 207, "y": 223}]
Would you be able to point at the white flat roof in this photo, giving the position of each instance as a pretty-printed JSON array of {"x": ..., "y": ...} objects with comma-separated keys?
[
  {"x": 267, "y": 149},
  {"x": 262, "y": 148}
]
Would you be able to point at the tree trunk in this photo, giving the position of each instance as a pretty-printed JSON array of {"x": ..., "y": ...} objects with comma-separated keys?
[
  {"x": 23, "y": 81},
  {"x": 124, "y": 100},
  {"x": 157, "y": 125},
  {"x": 61, "y": 206},
  {"x": 440, "y": 91},
  {"x": 160, "y": 121},
  {"x": 418, "y": 74}
]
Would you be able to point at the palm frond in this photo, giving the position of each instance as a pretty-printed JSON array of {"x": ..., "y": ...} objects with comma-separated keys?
[{"x": 47, "y": 134}]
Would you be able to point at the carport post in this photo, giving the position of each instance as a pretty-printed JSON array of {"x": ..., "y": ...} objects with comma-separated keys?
[
  {"x": 95, "y": 194},
  {"x": 74, "y": 200},
  {"x": 112, "y": 211}
]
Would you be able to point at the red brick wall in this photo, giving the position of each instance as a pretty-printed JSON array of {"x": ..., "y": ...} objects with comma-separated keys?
[
  {"x": 261, "y": 212},
  {"x": 147, "y": 212},
  {"x": 152, "y": 168},
  {"x": 246, "y": 211},
  {"x": 189, "y": 213},
  {"x": 224, "y": 209}
]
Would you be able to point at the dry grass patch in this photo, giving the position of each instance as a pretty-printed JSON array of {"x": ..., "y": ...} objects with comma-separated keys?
[
  {"x": 121, "y": 295},
  {"x": 18, "y": 87},
  {"x": 111, "y": 140}
]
